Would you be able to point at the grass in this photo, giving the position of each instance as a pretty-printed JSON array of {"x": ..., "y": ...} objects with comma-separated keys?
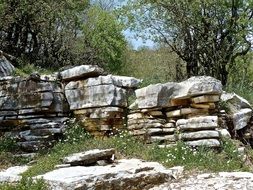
[
  {"x": 25, "y": 184},
  {"x": 201, "y": 159},
  {"x": 26, "y": 69},
  {"x": 226, "y": 159}
]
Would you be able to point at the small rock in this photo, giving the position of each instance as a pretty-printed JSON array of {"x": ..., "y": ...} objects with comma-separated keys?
[{"x": 89, "y": 157}]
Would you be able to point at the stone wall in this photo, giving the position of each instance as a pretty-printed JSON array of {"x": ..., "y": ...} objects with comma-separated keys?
[
  {"x": 34, "y": 110},
  {"x": 186, "y": 111}
]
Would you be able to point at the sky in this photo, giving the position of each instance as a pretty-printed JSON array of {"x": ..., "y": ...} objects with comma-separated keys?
[{"x": 136, "y": 43}]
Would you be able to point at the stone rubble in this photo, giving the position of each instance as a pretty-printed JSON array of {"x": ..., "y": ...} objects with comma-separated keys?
[{"x": 166, "y": 113}]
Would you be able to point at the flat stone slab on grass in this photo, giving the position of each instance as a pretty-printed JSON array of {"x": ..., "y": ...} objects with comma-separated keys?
[
  {"x": 12, "y": 174},
  {"x": 126, "y": 174},
  {"x": 88, "y": 157}
]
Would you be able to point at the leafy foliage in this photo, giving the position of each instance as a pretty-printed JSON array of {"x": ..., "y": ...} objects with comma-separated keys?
[
  {"x": 57, "y": 33},
  {"x": 207, "y": 35},
  {"x": 158, "y": 65}
]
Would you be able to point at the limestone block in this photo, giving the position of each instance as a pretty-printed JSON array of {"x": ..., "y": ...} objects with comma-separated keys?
[
  {"x": 202, "y": 119},
  {"x": 204, "y": 134},
  {"x": 186, "y": 111},
  {"x": 125, "y": 174},
  {"x": 199, "y": 85},
  {"x": 103, "y": 112},
  {"x": 241, "y": 118},
  {"x": 146, "y": 121},
  {"x": 80, "y": 72},
  {"x": 197, "y": 126},
  {"x": 144, "y": 125},
  {"x": 205, "y": 99},
  {"x": 157, "y": 95},
  {"x": 204, "y": 106},
  {"x": 234, "y": 102},
  {"x": 126, "y": 82},
  {"x": 204, "y": 142},
  {"x": 152, "y": 131},
  {"x": 88, "y": 157},
  {"x": 12, "y": 174},
  {"x": 165, "y": 138},
  {"x": 95, "y": 96}
]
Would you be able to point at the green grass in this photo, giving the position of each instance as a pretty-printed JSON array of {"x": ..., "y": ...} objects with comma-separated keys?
[
  {"x": 201, "y": 159},
  {"x": 126, "y": 146},
  {"x": 27, "y": 69},
  {"x": 25, "y": 184}
]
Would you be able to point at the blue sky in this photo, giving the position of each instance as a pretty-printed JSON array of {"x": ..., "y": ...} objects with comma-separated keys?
[
  {"x": 130, "y": 35},
  {"x": 137, "y": 42}
]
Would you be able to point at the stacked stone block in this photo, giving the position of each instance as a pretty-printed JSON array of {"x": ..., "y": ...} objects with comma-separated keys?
[
  {"x": 193, "y": 100},
  {"x": 98, "y": 102},
  {"x": 199, "y": 131},
  {"x": 32, "y": 110}
]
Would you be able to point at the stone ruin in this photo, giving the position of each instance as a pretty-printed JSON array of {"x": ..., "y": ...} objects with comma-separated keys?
[
  {"x": 187, "y": 111},
  {"x": 35, "y": 110}
]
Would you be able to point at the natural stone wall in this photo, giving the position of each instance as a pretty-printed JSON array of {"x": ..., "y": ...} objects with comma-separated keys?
[
  {"x": 34, "y": 110},
  {"x": 187, "y": 111}
]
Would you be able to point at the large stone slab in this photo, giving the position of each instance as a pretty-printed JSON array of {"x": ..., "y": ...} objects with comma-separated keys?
[
  {"x": 174, "y": 94},
  {"x": 157, "y": 95},
  {"x": 126, "y": 82},
  {"x": 204, "y": 142},
  {"x": 199, "y": 85},
  {"x": 81, "y": 95},
  {"x": 198, "y": 123},
  {"x": 80, "y": 72},
  {"x": 211, "y": 181},
  {"x": 131, "y": 174},
  {"x": 204, "y": 134},
  {"x": 88, "y": 157}
]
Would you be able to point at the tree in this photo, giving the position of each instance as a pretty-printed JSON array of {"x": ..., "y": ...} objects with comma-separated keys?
[
  {"x": 55, "y": 33},
  {"x": 103, "y": 33},
  {"x": 40, "y": 31},
  {"x": 207, "y": 34}
]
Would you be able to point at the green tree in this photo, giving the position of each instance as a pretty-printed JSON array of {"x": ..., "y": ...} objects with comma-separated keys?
[
  {"x": 207, "y": 34},
  {"x": 103, "y": 33},
  {"x": 54, "y": 33}
]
